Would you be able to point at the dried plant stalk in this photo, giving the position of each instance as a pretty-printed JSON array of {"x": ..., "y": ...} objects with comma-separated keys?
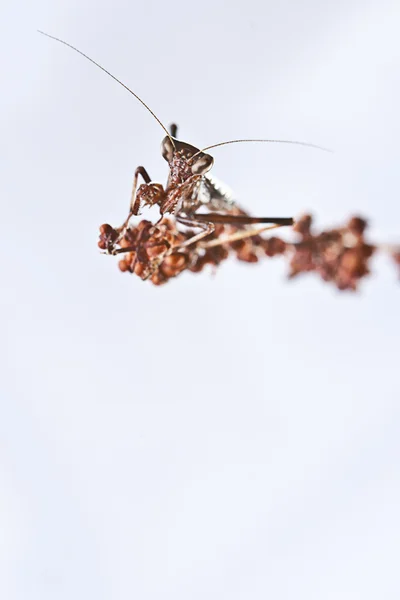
[{"x": 340, "y": 256}]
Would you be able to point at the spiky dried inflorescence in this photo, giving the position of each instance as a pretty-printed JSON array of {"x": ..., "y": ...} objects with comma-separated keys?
[{"x": 340, "y": 256}]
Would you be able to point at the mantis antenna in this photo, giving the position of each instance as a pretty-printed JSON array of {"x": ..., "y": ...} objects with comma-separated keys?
[
  {"x": 113, "y": 77},
  {"x": 262, "y": 141}
]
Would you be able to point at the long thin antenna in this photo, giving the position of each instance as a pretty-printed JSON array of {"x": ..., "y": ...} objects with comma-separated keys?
[
  {"x": 262, "y": 141},
  {"x": 112, "y": 76}
]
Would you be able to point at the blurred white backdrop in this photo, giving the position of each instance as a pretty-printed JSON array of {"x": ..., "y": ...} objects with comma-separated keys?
[{"x": 234, "y": 436}]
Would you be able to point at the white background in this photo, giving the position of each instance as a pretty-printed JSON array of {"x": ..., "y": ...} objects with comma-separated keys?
[{"x": 228, "y": 437}]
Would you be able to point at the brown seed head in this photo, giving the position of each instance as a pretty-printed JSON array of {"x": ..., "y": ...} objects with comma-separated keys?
[{"x": 357, "y": 226}]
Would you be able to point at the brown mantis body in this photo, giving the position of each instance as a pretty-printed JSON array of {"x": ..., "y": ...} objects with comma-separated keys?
[
  {"x": 182, "y": 198},
  {"x": 188, "y": 193}
]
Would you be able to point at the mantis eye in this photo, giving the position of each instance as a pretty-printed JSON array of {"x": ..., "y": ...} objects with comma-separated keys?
[
  {"x": 202, "y": 164},
  {"x": 167, "y": 149}
]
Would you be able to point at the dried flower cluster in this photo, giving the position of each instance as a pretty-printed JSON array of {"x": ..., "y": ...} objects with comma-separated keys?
[{"x": 340, "y": 256}]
